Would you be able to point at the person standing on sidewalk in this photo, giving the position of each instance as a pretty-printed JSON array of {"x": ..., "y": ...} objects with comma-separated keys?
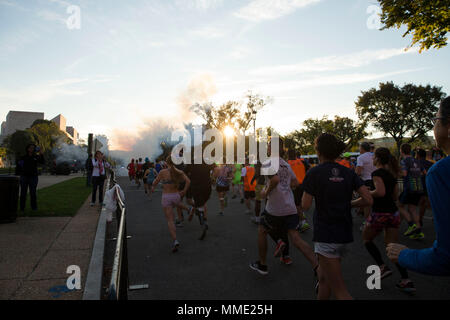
[
  {"x": 27, "y": 169},
  {"x": 89, "y": 168},
  {"x": 99, "y": 165}
]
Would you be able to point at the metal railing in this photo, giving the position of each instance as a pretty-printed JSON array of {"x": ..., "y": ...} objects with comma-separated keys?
[{"x": 118, "y": 287}]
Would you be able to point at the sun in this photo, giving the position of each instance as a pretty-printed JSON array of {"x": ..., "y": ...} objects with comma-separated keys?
[{"x": 229, "y": 131}]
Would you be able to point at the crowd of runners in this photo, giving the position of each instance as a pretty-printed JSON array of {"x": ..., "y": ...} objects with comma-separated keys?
[{"x": 387, "y": 190}]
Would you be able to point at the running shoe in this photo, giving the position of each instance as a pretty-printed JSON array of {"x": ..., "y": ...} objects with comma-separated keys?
[
  {"x": 242, "y": 201},
  {"x": 259, "y": 268},
  {"x": 203, "y": 235},
  {"x": 410, "y": 231},
  {"x": 305, "y": 226},
  {"x": 385, "y": 272},
  {"x": 406, "y": 287},
  {"x": 286, "y": 260},
  {"x": 255, "y": 220},
  {"x": 176, "y": 245},
  {"x": 179, "y": 224},
  {"x": 279, "y": 248},
  {"x": 417, "y": 236},
  {"x": 221, "y": 214}
]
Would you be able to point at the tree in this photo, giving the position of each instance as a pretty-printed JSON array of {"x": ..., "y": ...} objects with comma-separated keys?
[
  {"x": 255, "y": 103},
  {"x": 404, "y": 113},
  {"x": 47, "y": 135},
  {"x": 17, "y": 142},
  {"x": 427, "y": 20},
  {"x": 347, "y": 130}
]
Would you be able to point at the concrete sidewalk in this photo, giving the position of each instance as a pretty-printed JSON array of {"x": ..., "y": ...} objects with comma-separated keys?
[
  {"x": 47, "y": 180},
  {"x": 35, "y": 254}
]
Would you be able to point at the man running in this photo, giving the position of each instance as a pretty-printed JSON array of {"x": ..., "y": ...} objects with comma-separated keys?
[
  {"x": 237, "y": 182},
  {"x": 280, "y": 214},
  {"x": 201, "y": 192},
  {"x": 413, "y": 189},
  {"x": 247, "y": 175},
  {"x": 299, "y": 168}
]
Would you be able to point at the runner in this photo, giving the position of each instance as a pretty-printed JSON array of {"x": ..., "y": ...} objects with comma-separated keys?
[
  {"x": 237, "y": 182},
  {"x": 139, "y": 172},
  {"x": 385, "y": 216},
  {"x": 144, "y": 169},
  {"x": 413, "y": 189},
  {"x": 280, "y": 215},
  {"x": 260, "y": 184},
  {"x": 171, "y": 196},
  {"x": 424, "y": 202},
  {"x": 131, "y": 170},
  {"x": 364, "y": 169},
  {"x": 223, "y": 175},
  {"x": 150, "y": 176},
  {"x": 201, "y": 191},
  {"x": 434, "y": 260},
  {"x": 247, "y": 174},
  {"x": 299, "y": 167},
  {"x": 332, "y": 186}
]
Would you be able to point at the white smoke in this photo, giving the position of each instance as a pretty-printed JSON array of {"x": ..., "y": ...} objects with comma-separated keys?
[{"x": 69, "y": 153}]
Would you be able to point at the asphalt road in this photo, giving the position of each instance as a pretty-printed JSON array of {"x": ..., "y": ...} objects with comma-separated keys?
[{"x": 217, "y": 267}]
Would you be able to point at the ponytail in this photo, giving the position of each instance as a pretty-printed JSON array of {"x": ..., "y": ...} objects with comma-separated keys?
[{"x": 385, "y": 157}]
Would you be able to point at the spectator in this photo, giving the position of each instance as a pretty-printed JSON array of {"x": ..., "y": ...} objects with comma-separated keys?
[
  {"x": 99, "y": 165},
  {"x": 88, "y": 166},
  {"x": 435, "y": 260},
  {"x": 27, "y": 168}
]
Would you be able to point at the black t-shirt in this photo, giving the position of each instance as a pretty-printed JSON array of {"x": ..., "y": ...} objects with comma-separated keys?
[
  {"x": 332, "y": 186},
  {"x": 28, "y": 165},
  {"x": 385, "y": 204},
  {"x": 199, "y": 175}
]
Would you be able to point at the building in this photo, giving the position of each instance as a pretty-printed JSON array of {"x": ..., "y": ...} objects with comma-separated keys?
[
  {"x": 19, "y": 120},
  {"x": 74, "y": 133}
]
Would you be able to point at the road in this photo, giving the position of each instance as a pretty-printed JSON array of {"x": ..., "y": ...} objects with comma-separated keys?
[{"x": 217, "y": 268}]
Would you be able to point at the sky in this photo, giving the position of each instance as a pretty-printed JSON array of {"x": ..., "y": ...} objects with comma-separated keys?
[{"x": 131, "y": 62}]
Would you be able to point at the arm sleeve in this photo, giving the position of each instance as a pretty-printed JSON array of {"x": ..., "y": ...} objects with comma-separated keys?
[
  {"x": 359, "y": 162},
  {"x": 427, "y": 261}
]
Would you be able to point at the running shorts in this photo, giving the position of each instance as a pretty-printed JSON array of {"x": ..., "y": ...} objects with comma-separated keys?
[
  {"x": 201, "y": 196},
  {"x": 249, "y": 195},
  {"x": 410, "y": 198},
  {"x": 330, "y": 250},
  {"x": 279, "y": 223},
  {"x": 380, "y": 221},
  {"x": 222, "y": 189},
  {"x": 170, "y": 200},
  {"x": 298, "y": 195},
  {"x": 259, "y": 188}
]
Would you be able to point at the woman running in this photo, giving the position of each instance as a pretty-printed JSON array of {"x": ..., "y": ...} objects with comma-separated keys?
[
  {"x": 171, "y": 197},
  {"x": 131, "y": 170},
  {"x": 332, "y": 186},
  {"x": 222, "y": 173},
  {"x": 150, "y": 176},
  {"x": 385, "y": 215}
]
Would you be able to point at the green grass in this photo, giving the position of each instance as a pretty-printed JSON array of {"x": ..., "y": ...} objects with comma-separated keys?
[{"x": 60, "y": 200}]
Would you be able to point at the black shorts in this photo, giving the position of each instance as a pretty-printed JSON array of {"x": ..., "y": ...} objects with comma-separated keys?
[
  {"x": 201, "y": 196},
  {"x": 249, "y": 195},
  {"x": 222, "y": 189},
  {"x": 279, "y": 224},
  {"x": 298, "y": 195},
  {"x": 410, "y": 198},
  {"x": 369, "y": 183}
]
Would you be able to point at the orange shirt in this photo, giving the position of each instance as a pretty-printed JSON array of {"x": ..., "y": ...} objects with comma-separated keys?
[
  {"x": 299, "y": 169},
  {"x": 248, "y": 186},
  {"x": 345, "y": 163}
]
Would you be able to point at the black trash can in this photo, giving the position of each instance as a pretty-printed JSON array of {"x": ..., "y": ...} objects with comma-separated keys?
[{"x": 9, "y": 198}]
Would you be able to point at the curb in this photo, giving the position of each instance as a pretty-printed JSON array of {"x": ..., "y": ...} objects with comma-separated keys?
[{"x": 93, "y": 285}]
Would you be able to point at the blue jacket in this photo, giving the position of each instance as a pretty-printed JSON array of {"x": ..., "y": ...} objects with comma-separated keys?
[{"x": 436, "y": 260}]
